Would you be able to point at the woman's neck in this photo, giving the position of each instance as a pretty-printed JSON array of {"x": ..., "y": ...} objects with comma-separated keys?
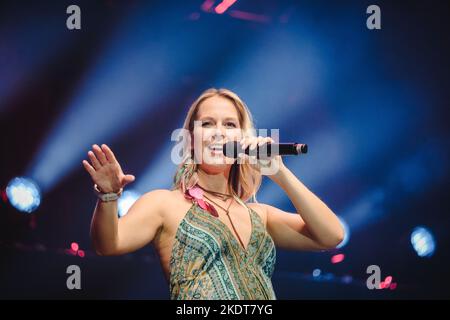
[{"x": 214, "y": 181}]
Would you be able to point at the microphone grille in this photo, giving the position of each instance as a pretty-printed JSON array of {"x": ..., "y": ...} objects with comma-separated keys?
[{"x": 302, "y": 148}]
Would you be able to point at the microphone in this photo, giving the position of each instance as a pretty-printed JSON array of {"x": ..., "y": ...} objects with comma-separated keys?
[{"x": 231, "y": 149}]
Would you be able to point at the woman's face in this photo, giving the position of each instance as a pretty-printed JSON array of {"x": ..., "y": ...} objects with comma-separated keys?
[{"x": 218, "y": 124}]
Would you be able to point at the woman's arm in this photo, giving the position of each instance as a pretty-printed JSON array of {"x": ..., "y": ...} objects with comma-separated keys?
[
  {"x": 113, "y": 236},
  {"x": 314, "y": 226}
]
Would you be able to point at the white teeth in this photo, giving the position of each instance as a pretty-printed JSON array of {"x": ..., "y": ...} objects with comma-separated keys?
[{"x": 215, "y": 147}]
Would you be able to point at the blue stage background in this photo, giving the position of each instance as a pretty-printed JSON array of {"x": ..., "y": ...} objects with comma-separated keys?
[{"x": 373, "y": 106}]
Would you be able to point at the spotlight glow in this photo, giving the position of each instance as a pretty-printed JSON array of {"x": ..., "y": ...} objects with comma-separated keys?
[
  {"x": 126, "y": 201},
  {"x": 316, "y": 273},
  {"x": 74, "y": 246},
  {"x": 224, "y": 5},
  {"x": 423, "y": 242},
  {"x": 338, "y": 258},
  {"x": 23, "y": 194}
]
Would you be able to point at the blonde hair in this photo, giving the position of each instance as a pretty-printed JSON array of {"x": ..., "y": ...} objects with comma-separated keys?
[{"x": 245, "y": 178}]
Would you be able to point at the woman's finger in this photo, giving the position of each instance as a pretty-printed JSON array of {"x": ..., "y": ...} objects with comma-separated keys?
[
  {"x": 247, "y": 142},
  {"x": 262, "y": 140},
  {"x": 89, "y": 168},
  {"x": 100, "y": 155},
  {"x": 128, "y": 179},
  {"x": 95, "y": 163},
  {"x": 243, "y": 143},
  {"x": 268, "y": 140},
  {"x": 109, "y": 154},
  {"x": 253, "y": 143}
]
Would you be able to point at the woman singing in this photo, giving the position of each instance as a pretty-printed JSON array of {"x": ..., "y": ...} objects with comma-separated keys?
[{"x": 213, "y": 243}]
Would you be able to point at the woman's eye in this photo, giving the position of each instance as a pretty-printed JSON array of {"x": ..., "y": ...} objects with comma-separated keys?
[{"x": 228, "y": 124}]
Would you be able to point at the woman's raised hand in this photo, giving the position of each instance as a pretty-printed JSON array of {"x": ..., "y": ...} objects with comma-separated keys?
[{"x": 105, "y": 170}]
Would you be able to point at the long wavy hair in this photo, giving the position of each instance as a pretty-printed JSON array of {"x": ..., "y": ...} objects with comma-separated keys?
[{"x": 245, "y": 178}]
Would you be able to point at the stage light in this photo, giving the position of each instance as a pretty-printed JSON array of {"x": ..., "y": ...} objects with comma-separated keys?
[
  {"x": 337, "y": 258},
  {"x": 316, "y": 273},
  {"x": 207, "y": 5},
  {"x": 126, "y": 201},
  {"x": 423, "y": 242},
  {"x": 74, "y": 246},
  {"x": 23, "y": 194},
  {"x": 347, "y": 279},
  {"x": 223, "y": 6}
]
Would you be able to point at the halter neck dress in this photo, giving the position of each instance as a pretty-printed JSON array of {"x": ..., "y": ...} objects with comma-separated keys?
[{"x": 208, "y": 262}]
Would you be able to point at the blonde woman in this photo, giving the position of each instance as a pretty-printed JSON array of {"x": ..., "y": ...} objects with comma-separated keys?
[{"x": 213, "y": 239}]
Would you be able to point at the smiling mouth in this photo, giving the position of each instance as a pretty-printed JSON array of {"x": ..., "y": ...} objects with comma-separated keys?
[
  {"x": 215, "y": 150},
  {"x": 216, "y": 147}
]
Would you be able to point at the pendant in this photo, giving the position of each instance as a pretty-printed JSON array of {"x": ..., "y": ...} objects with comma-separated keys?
[{"x": 196, "y": 195}]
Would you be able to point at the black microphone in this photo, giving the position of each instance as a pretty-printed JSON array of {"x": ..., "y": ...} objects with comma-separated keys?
[{"x": 231, "y": 149}]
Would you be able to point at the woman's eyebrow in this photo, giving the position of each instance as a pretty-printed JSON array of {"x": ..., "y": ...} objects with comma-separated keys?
[{"x": 211, "y": 118}]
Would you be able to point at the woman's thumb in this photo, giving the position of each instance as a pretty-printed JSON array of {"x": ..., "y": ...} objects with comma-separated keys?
[{"x": 128, "y": 178}]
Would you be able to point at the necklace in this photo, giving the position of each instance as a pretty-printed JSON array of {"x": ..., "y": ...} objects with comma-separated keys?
[
  {"x": 227, "y": 211},
  {"x": 223, "y": 196}
]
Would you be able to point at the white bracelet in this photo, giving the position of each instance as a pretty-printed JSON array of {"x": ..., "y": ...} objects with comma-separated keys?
[{"x": 105, "y": 197}]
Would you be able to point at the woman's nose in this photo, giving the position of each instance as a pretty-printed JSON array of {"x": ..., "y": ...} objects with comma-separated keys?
[{"x": 219, "y": 130}]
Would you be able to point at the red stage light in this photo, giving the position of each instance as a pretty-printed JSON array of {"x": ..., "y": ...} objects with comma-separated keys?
[
  {"x": 207, "y": 5},
  {"x": 337, "y": 258},
  {"x": 74, "y": 246},
  {"x": 223, "y": 6}
]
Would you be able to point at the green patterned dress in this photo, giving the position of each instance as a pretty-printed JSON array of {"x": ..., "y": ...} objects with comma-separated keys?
[{"x": 207, "y": 261}]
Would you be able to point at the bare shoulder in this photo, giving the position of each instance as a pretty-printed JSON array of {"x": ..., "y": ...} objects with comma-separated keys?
[
  {"x": 165, "y": 199},
  {"x": 156, "y": 198},
  {"x": 156, "y": 195}
]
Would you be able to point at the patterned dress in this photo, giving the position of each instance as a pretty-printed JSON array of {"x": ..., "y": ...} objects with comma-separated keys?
[{"x": 208, "y": 262}]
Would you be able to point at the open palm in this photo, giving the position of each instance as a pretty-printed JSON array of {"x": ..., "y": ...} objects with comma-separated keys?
[{"x": 105, "y": 170}]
